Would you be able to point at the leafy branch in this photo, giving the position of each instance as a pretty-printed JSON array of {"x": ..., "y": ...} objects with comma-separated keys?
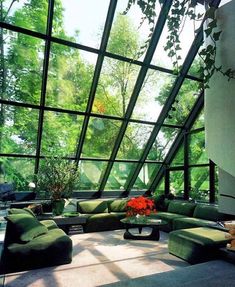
[{"x": 180, "y": 10}]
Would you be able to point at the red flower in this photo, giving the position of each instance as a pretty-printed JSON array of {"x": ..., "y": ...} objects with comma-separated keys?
[{"x": 140, "y": 205}]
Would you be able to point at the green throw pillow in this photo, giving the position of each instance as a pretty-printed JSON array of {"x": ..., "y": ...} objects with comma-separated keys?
[
  {"x": 26, "y": 226},
  {"x": 21, "y": 211}
]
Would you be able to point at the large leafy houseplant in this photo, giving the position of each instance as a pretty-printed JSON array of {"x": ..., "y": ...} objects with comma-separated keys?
[{"x": 57, "y": 177}]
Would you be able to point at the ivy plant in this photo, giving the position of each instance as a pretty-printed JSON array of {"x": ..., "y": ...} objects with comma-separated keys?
[{"x": 180, "y": 11}]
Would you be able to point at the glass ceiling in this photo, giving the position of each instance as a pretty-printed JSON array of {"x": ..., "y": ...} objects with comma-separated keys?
[{"x": 73, "y": 84}]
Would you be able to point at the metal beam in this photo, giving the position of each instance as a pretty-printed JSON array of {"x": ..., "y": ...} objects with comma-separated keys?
[
  {"x": 44, "y": 82},
  {"x": 99, "y": 63},
  {"x": 175, "y": 146},
  {"x": 140, "y": 79}
]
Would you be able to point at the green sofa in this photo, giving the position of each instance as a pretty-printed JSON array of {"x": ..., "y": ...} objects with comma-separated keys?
[
  {"x": 30, "y": 244},
  {"x": 103, "y": 214}
]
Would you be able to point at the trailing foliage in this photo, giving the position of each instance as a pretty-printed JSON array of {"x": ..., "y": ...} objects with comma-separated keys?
[{"x": 180, "y": 10}]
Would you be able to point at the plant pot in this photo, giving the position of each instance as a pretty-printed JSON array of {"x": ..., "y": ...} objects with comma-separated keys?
[{"x": 58, "y": 206}]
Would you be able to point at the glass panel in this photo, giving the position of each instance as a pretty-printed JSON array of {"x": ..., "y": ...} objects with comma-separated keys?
[
  {"x": 186, "y": 35},
  {"x": 115, "y": 87},
  {"x": 118, "y": 175},
  {"x": 199, "y": 183},
  {"x": 200, "y": 121},
  {"x": 31, "y": 15},
  {"x": 61, "y": 133},
  {"x": 133, "y": 143},
  {"x": 184, "y": 102},
  {"x": 196, "y": 68},
  {"x": 18, "y": 130},
  {"x": 79, "y": 21},
  {"x": 90, "y": 174},
  {"x": 22, "y": 68},
  {"x": 153, "y": 94},
  {"x": 19, "y": 172},
  {"x": 197, "y": 151},
  {"x": 100, "y": 137},
  {"x": 127, "y": 35},
  {"x": 69, "y": 78},
  {"x": 160, "y": 189},
  {"x": 177, "y": 183},
  {"x": 146, "y": 176},
  {"x": 162, "y": 144},
  {"x": 179, "y": 157}
]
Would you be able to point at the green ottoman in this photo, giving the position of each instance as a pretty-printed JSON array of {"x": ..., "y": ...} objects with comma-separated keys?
[{"x": 196, "y": 245}]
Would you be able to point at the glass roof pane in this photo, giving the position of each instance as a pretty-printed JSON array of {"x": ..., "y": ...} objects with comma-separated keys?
[
  {"x": 90, "y": 174},
  {"x": 19, "y": 171},
  {"x": 61, "y": 133},
  {"x": 196, "y": 68},
  {"x": 186, "y": 37},
  {"x": 184, "y": 102},
  {"x": 179, "y": 157},
  {"x": 146, "y": 176},
  {"x": 31, "y": 15},
  {"x": 177, "y": 182},
  {"x": 133, "y": 143},
  {"x": 152, "y": 97},
  {"x": 100, "y": 137},
  {"x": 79, "y": 21},
  {"x": 160, "y": 189},
  {"x": 118, "y": 175},
  {"x": 197, "y": 150},
  {"x": 69, "y": 78},
  {"x": 162, "y": 143},
  {"x": 200, "y": 121},
  {"x": 23, "y": 68},
  {"x": 18, "y": 129},
  {"x": 117, "y": 80},
  {"x": 127, "y": 35},
  {"x": 199, "y": 183}
]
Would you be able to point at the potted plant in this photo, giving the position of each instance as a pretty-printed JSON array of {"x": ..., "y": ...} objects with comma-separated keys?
[{"x": 57, "y": 176}]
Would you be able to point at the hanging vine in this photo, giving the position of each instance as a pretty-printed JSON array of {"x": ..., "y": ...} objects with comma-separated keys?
[{"x": 180, "y": 11}]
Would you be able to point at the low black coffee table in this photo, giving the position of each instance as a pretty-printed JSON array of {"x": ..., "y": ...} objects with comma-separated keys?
[
  {"x": 132, "y": 222},
  {"x": 64, "y": 222}
]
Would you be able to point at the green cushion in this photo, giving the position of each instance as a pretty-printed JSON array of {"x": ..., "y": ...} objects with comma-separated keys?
[
  {"x": 26, "y": 226},
  {"x": 24, "y": 210},
  {"x": 117, "y": 205},
  {"x": 209, "y": 212},
  {"x": 190, "y": 222},
  {"x": 92, "y": 206},
  {"x": 50, "y": 224},
  {"x": 181, "y": 207}
]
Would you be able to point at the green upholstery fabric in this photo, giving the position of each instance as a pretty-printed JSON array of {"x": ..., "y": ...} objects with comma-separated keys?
[
  {"x": 24, "y": 210},
  {"x": 53, "y": 248},
  {"x": 196, "y": 244},
  {"x": 190, "y": 222},
  {"x": 103, "y": 222},
  {"x": 117, "y": 205},
  {"x": 92, "y": 206},
  {"x": 180, "y": 207},
  {"x": 168, "y": 217},
  {"x": 50, "y": 224},
  {"x": 26, "y": 226},
  {"x": 208, "y": 212}
]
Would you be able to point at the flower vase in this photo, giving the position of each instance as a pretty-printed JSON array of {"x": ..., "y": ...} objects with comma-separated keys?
[{"x": 57, "y": 206}]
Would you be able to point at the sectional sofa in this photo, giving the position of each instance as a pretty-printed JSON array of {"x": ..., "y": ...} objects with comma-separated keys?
[{"x": 31, "y": 244}]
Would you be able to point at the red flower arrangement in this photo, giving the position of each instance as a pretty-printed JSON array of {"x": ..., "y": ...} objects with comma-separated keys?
[{"x": 140, "y": 205}]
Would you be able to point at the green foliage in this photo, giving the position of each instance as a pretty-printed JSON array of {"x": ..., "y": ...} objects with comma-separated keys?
[{"x": 58, "y": 177}]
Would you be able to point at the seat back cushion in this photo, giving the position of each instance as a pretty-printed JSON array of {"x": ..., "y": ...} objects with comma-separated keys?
[
  {"x": 25, "y": 226},
  {"x": 92, "y": 206},
  {"x": 24, "y": 210},
  {"x": 209, "y": 212},
  {"x": 117, "y": 205},
  {"x": 181, "y": 207},
  {"x": 70, "y": 205}
]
